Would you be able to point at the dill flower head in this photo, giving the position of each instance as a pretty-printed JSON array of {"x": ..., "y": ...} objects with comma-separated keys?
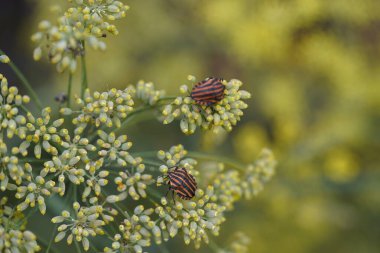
[
  {"x": 12, "y": 172},
  {"x": 11, "y": 103},
  {"x": 102, "y": 108},
  {"x": 134, "y": 232},
  {"x": 85, "y": 22},
  {"x": 34, "y": 190},
  {"x": 82, "y": 223},
  {"x": 13, "y": 236},
  {"x": 146, "y": 92},
  {"x": 66, "y": 165},
  {"x": 192, "y": 218},
  {"x": 224, "y": 113},
  {"x": 176, "y": 156},
  {"x": 40, "y": 132}
]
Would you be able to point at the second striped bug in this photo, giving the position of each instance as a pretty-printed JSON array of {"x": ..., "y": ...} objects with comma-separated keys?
[
  {"x": 181, "y": 183},
  {"x": 209, "y": 91}
]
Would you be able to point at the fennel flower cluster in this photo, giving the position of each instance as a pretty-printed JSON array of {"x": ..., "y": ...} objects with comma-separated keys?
[
  {"x": 225, "y": 113},
  {"x": 102, "y": 108},
  {"x": 84, "y": 22},
  {"x": 77, "y": 164},
  {"x": 95, "y": 163},
  {"x": 194, "y": 220},
  {"x": 13, "y": 235}
]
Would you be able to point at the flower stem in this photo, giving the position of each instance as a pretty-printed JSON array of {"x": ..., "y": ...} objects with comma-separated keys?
[
  {"x": 201, "y": 156},
  {"x": 213, "y": 246},
  {"x": 77, "y": 246},
  {"x": 218, "y": 158},
  {"x": 163, "y": 249},
  {"x": 84, "y": 71},
  {"x": 51, "y": 239},
  {"x": 69, "y": 89},
  {"x": 132, "y": 115},
  {"x": 68, "y": 194},
  {"x": 25, "y": 82},
  {"x": 167, "y": 98}
]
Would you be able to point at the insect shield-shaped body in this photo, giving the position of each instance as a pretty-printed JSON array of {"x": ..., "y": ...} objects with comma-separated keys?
[
  {"x": 208, "y": 91},
  {"x": 182, "y": 183}
]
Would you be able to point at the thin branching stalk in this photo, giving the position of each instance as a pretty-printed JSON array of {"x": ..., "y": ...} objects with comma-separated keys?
[
  {"x": 84, "y": 85},
  {"x": 69, "y": 87},
  {"x": 213, "y": 246},
  {"x": 67, "y": 198},
  {"x": 25, "y": 82},
  {"x": 77, "y": 247},
  {"x": 163, "y": 248},
  {"x": 201, "y": 156}
]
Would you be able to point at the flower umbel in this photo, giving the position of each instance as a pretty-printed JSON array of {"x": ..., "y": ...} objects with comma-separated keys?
[
  {"x": 85, "y": 21},
  {"x": 13, "y": 235},
  {"x": 225, "y": 113},
  {"x": 102, "y": 108}
]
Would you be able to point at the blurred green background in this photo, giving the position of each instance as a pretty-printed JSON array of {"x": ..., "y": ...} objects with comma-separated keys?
[{"x": 313, "y": 67}]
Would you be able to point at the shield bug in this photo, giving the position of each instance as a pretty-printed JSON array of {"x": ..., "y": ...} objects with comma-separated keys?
[
  {"x": 181, "y": 183},
  {"x": 208, "y": 91}
]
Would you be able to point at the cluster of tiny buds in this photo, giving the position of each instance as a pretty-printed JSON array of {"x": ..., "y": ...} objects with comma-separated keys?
[
  {"x": 134, "y": 232},
  {"x": 102, "y": 108},
  {"x": 223, "y": 113},
  {"x": 146, "y": 92},
  {"x": 10, "y": 103},
  {"x": 85, "y": 222},
  {"x": 13, "y": 236},
  {"x": 87, "y": 21},
  {"x": 192, "y": 218},
  {"x": 176, "y": 156}
]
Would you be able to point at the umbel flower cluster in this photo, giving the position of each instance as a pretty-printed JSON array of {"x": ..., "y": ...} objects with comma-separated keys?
[
  {"x": 13, "y": 235},
  {"x": 84, "y": 22},
  {"x": 226, "y": 113},
  {"x": 77, "y": 164}
]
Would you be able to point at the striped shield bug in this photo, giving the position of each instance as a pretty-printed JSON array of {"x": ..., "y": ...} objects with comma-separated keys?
[
  {"x": 208, "y": 92},
  {"x": 182, "y": 183}
]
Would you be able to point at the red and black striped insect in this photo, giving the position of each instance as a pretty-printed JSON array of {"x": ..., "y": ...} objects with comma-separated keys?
[
  {"x": 182, "y": 183},
  {"x": 208, "y": 91}
]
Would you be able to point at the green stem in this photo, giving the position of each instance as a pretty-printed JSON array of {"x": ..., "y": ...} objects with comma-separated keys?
[
  {"x": 69, "y": 89},
  {"x": 44, "y": 243},
  {"x": 163, "y": 249},
  {"x": 84, "y": 71},
  {"x": 32, "y": 160},
  {"x": 218, "y": 158},
  {"x": 201, "y": 156},
  {"x": 75, "y": 194},
  {"x": 167, "y": 98},
  {"x": 25, "y": 82},
  {"x": 213, "y": 246},
  {"x": 51, "y": 239},
  {"x": 132, "y": 115},
  {"x": 68, "y": 194},
  {"x": 77, "y": 246},
  {"x": 26, "y": 110}
]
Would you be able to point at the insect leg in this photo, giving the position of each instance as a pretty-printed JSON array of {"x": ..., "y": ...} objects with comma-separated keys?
[{"x": 173, "y": 197}]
